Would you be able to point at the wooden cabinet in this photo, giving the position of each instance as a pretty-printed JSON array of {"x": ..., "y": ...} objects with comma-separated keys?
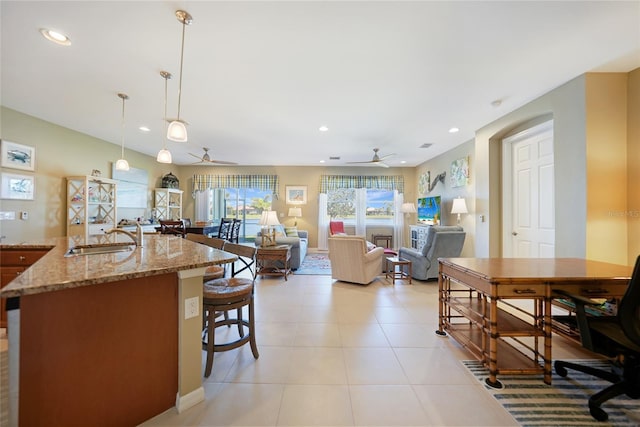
[
  {"x": 14, "y": 262},
  {"x": 168, "y": 203},
  {"x": 418, "y": 236},
  {"x": 91, "y": 206}
]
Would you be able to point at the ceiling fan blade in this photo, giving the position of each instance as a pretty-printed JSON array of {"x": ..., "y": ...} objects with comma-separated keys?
[
  {"x": 387, "y": 156},
  {"x": 222, "y": 162},
  {"x": 382, "y": 165},
  {"x": 353, "y": 163},
  {"x": 197, "y": 157}
]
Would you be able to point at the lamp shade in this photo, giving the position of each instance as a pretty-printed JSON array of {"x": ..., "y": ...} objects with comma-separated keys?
[
  {"x": 177, "y": 131},
  {"x": 459, "y": 206},
  {"x": 269, "y": 218},
  {"x": 408, "y": 208},
  {"x": 122, "y": 165},
  {"x": 295, "y": 212},
  {"x": 164, "y": 156}
]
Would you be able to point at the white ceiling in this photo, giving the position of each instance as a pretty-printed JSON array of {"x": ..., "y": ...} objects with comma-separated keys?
[{"x": 261, "y": 77}]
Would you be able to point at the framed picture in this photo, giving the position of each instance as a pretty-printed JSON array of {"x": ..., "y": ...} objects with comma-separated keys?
[
  {"x": 460, "y": 172},
  {"x": 19, "y": 187},
  {"x": 296, "y": 194},
  {"x": 18, "y": 156}
]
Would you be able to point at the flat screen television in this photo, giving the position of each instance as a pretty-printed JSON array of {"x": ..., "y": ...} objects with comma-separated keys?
[{"x": 429, "y": 210}]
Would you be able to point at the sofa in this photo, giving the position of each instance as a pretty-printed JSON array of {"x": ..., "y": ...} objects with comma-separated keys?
[
  {"x": 443, "y": 241},
  {"x": 298, "y": 243},
  {"x": 351, "y": 261}
]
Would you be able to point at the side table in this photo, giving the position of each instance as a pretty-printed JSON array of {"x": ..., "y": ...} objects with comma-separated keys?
[
  {"x": 396, "y": 269},
  {"x": 273, "y": 260},
  {"x": 387, "y": 238}
]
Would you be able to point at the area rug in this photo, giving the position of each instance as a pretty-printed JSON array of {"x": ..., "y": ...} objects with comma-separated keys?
[
  {"x": 315, "y": 264},
  {"x": 564, "y": 403}
]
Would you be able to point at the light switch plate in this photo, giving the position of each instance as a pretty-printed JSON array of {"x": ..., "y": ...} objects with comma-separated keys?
[{"x": 191, "y": 307}]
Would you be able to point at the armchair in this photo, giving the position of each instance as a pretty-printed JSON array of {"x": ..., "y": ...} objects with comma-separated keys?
[
  {"x": 351, "y": 262},
  {"x": 442, "y": 242},
  {"x": 614, "y": 336}
]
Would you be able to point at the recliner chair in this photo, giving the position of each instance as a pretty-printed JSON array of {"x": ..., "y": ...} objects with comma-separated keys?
[
  {"x": 443, "y": 241},
  {"x": 613, "y": 336}
]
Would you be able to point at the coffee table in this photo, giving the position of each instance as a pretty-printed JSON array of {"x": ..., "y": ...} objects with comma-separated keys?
[
  {"x": 273, "y": 260},
  {"x": 396, "y": 269}
]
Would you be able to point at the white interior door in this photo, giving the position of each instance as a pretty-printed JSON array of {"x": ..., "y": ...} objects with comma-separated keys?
[{"x": 528, "y": 203}]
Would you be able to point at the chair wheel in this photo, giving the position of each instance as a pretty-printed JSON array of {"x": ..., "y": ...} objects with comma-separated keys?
[
  {"x": 560, "y": 370},
  {"x": 598, "y": 414}
]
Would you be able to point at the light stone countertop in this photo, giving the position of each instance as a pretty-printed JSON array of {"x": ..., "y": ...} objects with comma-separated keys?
[{"x": 160, "y": 254}]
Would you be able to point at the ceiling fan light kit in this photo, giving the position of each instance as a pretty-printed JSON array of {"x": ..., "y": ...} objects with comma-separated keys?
[{"x": 177, "y": 130}]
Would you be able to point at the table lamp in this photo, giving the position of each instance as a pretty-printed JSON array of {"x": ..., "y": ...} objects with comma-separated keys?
[
  {"x": 459, "y": 207},
  {"x": 267, "y": 220},
  {"x": 407, "y": 209},
  {"x": 296, "y": 213}
]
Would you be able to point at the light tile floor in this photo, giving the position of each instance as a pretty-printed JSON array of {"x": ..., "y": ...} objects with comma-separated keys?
[{"x": 339, "y": 354}]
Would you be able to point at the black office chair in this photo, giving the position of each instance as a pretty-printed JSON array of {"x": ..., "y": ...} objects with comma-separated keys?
[{"x": 614, "y": 336}]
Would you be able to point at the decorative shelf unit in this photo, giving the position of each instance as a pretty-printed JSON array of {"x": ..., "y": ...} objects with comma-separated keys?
[
  {"x": 91, "y": 206},
  {"x": 418, "y": 236},
  {"x": 168, "y": 203}
]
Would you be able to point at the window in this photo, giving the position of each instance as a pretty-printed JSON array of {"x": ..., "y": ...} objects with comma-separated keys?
[
  {"x": 342, "y": 204},
  {"x": 246, "y": 204}
]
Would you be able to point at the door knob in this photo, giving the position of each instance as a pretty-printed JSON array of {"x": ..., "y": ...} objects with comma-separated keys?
[{"x": 514, "y": 233}]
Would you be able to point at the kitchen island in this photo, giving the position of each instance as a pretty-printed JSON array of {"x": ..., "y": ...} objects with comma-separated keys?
[{"x": 107, "y": 338}]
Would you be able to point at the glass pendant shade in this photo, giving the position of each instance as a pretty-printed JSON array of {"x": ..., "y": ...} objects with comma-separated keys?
[
  {"x": 177, "y": 131},
  {"x": 164, "y": 156},
  {"x": 122, "y": 165}
]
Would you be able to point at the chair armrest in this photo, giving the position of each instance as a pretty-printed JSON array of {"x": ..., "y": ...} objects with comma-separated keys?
[
  {"x": 304, "y": 234},
  {"x": 410, "y": 252},
  {"x": 374, "y": 254},
  {"x": 581, "y": 316},
  {"x": 578, "y": 299}
]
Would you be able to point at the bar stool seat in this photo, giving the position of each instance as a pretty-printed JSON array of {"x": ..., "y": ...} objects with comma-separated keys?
[{"x": 213, "y": 272}]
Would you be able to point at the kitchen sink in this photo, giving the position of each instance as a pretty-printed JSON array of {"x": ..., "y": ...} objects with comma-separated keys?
[{"x": 98, "y": 249}]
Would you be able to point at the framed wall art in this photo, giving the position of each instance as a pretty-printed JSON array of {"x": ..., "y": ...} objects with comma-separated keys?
[
  {"x": 18, "y": 156},
  {"x": 18, "y": 187},
  {"x": 460, "y": 172},
  {"x": 296, "y": 194}
]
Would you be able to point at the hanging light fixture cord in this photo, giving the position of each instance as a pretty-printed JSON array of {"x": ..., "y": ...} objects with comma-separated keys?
[
  {"x": 186, "y": 19},
  {"x": 123, "y": 97},
  {"x": 166, "y": 75}
]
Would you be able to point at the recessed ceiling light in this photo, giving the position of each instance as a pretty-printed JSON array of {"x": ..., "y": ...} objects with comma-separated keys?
[
  {"x": 321, "y": 161},
  {"x": 453, "y": 130},
  {"x": 55, "y": 37},
  {"x": 403, "y": 161},
  {"x": 323, "y": 128},
  {"x": 144, "y": 129}
]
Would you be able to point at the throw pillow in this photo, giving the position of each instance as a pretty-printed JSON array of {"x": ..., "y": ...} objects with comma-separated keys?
[
  {"x": 291, "y": 231},
  {"x": 370, "y": 246}
]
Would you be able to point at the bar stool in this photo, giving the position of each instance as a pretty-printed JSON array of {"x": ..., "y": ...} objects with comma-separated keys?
[
  {"x": 225, "y": 294},
  {"x": 214, "y": 271}
]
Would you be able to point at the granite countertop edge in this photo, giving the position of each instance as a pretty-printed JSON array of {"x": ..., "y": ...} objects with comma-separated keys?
[{"x": 160, "y": 254}]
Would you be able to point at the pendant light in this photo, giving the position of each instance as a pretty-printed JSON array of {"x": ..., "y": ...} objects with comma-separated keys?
[
  {"x": 164, "y": 155},
  {"x": 122, "y": 164},
  {"x": 177, "y": 130}
]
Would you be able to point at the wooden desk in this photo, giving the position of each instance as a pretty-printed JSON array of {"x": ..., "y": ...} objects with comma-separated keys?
[
  {"x": 474, "y": 305},
  {"x": 273, "y": 260}
]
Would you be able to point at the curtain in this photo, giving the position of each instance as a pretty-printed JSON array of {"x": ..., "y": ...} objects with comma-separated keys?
[
  {"x": 323, "y": 223},
  {"x": 398, "y": 220},
  {"x": 361, "y": 212},
  {"x": 202, "y": 205},
  {"x": 259, "y": 182},
  {"x": 383, "y": 182}
]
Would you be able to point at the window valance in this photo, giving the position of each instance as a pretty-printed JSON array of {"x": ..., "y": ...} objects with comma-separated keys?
[
  {"x": 260, "y": 182},
  {"x": 382, "y": 182}
]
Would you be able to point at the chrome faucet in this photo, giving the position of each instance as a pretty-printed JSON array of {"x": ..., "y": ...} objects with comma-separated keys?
[{"x": 137, "y": 238}]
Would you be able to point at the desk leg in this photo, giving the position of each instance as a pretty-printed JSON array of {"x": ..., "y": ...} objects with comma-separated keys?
[
  {"x": 547, "y": 340},
  {"x": 441, "y": 296},
  {"x": 493, "y": 345}
]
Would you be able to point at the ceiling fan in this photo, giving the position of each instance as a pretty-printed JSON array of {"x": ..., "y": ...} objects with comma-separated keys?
[
  {"x": 377, "y": 160},
  {"x": 205, "y": 158}
]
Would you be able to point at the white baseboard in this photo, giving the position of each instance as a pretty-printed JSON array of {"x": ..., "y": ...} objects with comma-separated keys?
[{"x": 191, "y": 399}]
